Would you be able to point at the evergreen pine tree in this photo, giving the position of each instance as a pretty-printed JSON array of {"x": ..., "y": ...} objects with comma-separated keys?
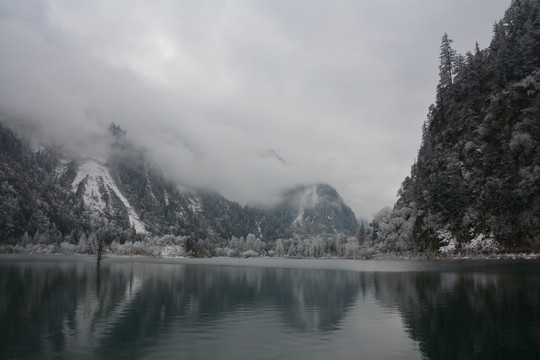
[
  {"x": 446, "y": 66},
  {"x": 362, "y": 233}
]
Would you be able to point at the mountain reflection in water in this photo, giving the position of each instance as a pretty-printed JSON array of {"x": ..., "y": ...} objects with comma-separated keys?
[{"x": 57, "y": 308}]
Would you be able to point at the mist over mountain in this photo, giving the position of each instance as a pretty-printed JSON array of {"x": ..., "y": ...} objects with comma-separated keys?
[
  {"x": 337, "y": 91},
  {"x": 230, "y": 147},
  {"x": 49, "y": 196}
]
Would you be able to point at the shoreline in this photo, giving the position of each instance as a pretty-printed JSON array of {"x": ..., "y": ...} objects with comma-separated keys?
[
  {"x": 436, "y": 257},
  {"x": 375, "y": 257}
]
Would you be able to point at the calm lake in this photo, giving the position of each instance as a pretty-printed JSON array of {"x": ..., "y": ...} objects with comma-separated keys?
[{"x": 57, "y": 307}]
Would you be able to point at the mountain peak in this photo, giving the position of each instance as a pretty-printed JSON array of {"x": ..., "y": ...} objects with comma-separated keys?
[
  {"x": 318, "y": 208},
  {"x": 130, "y": 198}
]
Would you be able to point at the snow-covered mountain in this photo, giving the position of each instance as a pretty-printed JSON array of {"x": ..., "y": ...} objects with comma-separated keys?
[
  {"x": 319, "y": 209},
  {"x": 101, "y": 195},
  {"x": 48, "y": 195}
]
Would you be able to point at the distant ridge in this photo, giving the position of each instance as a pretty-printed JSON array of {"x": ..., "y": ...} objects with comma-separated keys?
[{"x": 49, "y": 196}]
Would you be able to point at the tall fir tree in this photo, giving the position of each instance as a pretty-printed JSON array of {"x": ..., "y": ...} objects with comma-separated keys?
[{"x": 446, "y": 67}]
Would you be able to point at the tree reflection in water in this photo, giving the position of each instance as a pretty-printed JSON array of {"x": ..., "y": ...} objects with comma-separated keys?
[
  {"x": 64, "y": 305},
  {"x": 57, "y": 308},
  {"x": 461, "y": 315}
]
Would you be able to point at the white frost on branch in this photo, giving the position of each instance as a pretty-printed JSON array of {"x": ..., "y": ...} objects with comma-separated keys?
[
  {"x": 448, "y": 240},
  {"x": 482, "y": 242}
]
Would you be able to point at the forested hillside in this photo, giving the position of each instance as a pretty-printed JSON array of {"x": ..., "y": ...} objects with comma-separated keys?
[
  {"x": 476, "y": 180},
  {"x": 65, "y": 203}
]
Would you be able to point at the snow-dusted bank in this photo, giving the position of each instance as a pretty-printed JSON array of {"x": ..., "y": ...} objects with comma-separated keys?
[{"x": 251, "y": 247}]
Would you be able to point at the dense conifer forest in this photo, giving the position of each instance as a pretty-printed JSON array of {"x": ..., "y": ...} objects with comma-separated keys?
[{"x": 476, "y": 180}]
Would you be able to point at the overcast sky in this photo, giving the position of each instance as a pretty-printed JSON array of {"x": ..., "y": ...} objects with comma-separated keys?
[{"x": 246, "y": 97}]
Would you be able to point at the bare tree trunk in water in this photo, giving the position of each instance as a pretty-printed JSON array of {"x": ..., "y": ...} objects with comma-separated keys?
[
  {"x": 98, "y": 262},
  {"x": 99, "y": 251}
]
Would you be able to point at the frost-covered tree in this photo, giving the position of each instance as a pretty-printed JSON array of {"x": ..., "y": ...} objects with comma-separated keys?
[
  {"x": 478, "y": 165},
  {"x": 446, "y": 67}
]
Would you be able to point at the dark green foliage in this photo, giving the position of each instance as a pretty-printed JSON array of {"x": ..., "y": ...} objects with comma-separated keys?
[
  {"x": 478, "y": 168},
  {"x": 197, "y": 249},
  {"x": 31, "y": 201}
]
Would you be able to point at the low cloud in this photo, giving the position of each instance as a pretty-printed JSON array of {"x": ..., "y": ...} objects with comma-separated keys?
[{"x": 243, "y": 97}]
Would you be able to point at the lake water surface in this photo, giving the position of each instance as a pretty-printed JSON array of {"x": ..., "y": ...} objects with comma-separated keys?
[{"x": 57, "y": 307}]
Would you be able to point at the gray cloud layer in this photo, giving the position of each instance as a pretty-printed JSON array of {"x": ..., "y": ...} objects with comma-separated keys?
[{"x": 245, "y": 97}]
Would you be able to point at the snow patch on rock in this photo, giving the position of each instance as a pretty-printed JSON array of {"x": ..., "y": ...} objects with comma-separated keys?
[
  {"x": 96, "y": 178},
  {"x": 195, "y": 204},
  {"x": 61, "y": 168},
  {"x": 308, "y": 200},
  {"x": 166, "y": 194}
]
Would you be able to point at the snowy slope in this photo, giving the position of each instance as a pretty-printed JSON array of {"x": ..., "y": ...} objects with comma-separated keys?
[
  {"x": 308, "y": 200},
  {"x": 317, "y": 209},
  {"x": 98, "y": 184}
]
